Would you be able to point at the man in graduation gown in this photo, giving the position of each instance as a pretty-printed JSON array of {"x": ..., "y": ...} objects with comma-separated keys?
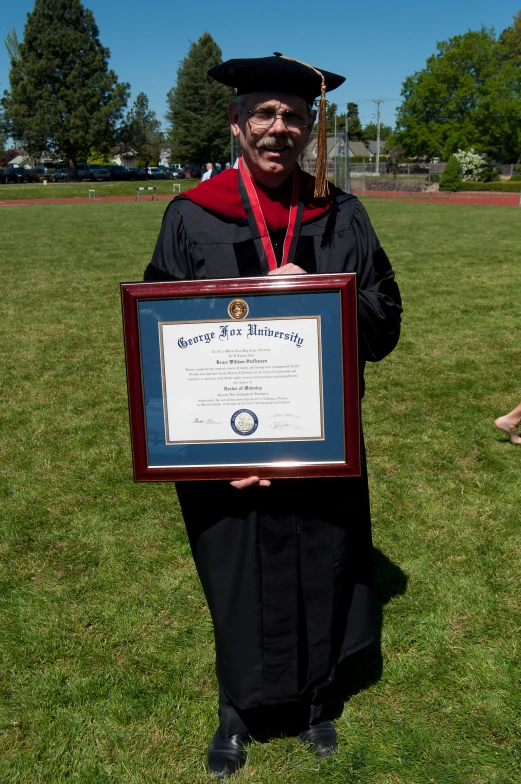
[{"x": 286, "y": 565}]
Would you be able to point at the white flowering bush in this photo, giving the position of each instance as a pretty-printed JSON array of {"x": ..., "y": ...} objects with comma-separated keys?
[{"x": 471, "y": 164}]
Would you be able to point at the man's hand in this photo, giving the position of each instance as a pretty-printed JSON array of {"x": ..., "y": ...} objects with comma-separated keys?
[
  {"x": 288, "y": 269},
  {"x": 250, "y": 481}
]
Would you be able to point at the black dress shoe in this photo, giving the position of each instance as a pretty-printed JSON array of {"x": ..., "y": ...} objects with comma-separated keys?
[
  {"x": 321, "y": 737},
  {"x": 226, "y": 753}
]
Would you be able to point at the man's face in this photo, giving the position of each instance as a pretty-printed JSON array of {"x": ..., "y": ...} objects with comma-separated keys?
[{"x": 270, "y": 153}]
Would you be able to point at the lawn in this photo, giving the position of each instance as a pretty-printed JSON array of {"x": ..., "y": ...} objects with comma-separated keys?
[
  {"x": 74, "y": 190},
  {"x": 106, "y": 657}
]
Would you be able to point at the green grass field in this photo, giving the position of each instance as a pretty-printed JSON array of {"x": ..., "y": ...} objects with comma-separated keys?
[
  {"x": 74, "y": 190},
  {"x": 106, "y": 655}
]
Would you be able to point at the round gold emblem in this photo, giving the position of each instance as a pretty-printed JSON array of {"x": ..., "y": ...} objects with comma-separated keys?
[{"x": 238, "y": 309}]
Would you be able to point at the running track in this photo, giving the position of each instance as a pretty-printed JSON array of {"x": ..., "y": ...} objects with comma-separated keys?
[{"x": 501, "y": 199}]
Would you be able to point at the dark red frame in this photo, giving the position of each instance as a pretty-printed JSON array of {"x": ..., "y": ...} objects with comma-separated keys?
[{"x": 345, "y": 283}]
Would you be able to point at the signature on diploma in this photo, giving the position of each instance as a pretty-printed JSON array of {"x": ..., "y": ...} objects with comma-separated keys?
[
  {"x": 198, "y": 421},
  {"x": 281, "y": 423}
]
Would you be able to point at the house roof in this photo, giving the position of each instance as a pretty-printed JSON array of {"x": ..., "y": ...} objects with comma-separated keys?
[
  {"x": 19, "y": 160},
  {"x": 372, "y": 146},
  {"x": 359, "y": 149},
  {"x": 310, "y": 149}
]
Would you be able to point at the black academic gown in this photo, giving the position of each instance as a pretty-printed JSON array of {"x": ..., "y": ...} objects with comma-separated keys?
[{"x": 286, "y": 570}]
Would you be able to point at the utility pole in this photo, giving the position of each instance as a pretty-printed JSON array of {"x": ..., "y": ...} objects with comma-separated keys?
[{"x": 378, "y": 101}]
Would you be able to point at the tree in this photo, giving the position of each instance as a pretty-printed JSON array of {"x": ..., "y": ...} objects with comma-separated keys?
[
  {"x": 356, "y": 134},
  {"x": 331, "y": 110},
  {"x": 371, "y": 131},
  {"x": 468, "y": 95},
  {"x": 142, "y": 131},
  {"x": 198, "y": 107},
  {"x": 8, "y": 155},
  {"x": 394, "y": 154},
  {"x": 355, "y": 128},
  {"x": 12, "y": 44},
  {"x": 450, "y": 180},
  {"x": 63, "y": 97},
  {"x": 511, "y": 39}
]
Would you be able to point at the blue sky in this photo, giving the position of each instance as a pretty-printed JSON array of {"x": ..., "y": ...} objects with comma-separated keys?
[{"x": 376, "y": 45}]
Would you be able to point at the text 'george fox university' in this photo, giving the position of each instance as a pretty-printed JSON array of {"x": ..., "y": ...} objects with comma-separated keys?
[{"x": 225, "y": 332}]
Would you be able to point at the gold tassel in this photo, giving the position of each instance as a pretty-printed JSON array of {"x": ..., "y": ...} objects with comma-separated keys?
[{"x": 321, "y": 182}]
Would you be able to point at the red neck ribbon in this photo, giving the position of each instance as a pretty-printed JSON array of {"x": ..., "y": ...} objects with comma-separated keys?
[{"x": 261, "y": 221}]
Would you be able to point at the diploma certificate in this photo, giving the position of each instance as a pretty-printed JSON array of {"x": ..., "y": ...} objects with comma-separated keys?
[
  {"x": 242, "y": 380},
  {"x": 243, "y": 377}
]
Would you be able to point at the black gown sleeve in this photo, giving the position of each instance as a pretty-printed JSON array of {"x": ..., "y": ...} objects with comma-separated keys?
[
  {"x": 379, "y": 301},
  {"x": 154, "y": 274},
  {"x": 171, "y": 259}
]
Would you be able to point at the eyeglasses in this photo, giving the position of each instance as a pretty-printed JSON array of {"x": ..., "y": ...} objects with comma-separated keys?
[{"x": 265, "y": 118}]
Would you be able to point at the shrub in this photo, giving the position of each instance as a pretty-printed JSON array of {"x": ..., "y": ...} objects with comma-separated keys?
[
  {"x": 490, "y": 175},
  {"x": 515, "y": 178},
  {"x": 471, "y": 165},
  {"x": 450, "y": 180},
  {"x": 497, "y": 187},
  {"x": 435, "y": 177}
]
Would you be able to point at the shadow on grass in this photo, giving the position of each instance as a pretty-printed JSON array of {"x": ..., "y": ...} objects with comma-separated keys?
[
  {"x": 355, "y": 673},
  {"x": 364, "y": 668}
]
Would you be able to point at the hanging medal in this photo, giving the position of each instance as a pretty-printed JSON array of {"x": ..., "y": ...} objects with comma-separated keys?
[{"x": 257, "y": 222}]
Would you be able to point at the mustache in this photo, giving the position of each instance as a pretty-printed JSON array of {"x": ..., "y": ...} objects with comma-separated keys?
[{"x": 270, "y": 142}]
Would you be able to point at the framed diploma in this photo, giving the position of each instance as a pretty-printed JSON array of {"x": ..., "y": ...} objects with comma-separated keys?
[{"x": 243, "y": 377}]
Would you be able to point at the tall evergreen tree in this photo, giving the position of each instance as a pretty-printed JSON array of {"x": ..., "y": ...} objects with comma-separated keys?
[
  {"x": 331, "y": 113},
  {"x": 12, "y": 44},
  {"x": 197, "y": 107},
  {"x": 356, "y": 134},
  {"x": 63, "y": 97},
  {"x": 142, "y": 131}
]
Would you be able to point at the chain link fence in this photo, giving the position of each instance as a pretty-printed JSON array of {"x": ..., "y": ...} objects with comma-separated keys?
[{"x": 364, "y": 175}]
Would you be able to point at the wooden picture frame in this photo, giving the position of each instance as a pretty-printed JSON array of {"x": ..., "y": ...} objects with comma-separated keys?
[{"x": 242, "y": 377}]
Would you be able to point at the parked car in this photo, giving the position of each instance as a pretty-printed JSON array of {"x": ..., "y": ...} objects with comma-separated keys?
[
  {"x": 137, "y": 173},
  {"x": 2, "y": 175},
  {"x": 413, "y": 168},
  {"x": 94, "y": 172},
  {"x": 118, "y": 172},
  {"x": 175, "y": 173},
  {"x": 17, "y": 174},
  {"x": 155, "y": 173},
  {"x": 60, "y": 175},
  {"x": 39, "y": 174},
  {"x": 163, "y": 169},
  {"x": 191, "y": 171}
]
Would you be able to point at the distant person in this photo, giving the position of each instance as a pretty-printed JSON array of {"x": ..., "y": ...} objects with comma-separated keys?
[
  {"x": 227, "y": 165},
  {"x": 216, "y": 170},
  {"x": 509, "y": 424},
  {"x": 208, "y": 172}
]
